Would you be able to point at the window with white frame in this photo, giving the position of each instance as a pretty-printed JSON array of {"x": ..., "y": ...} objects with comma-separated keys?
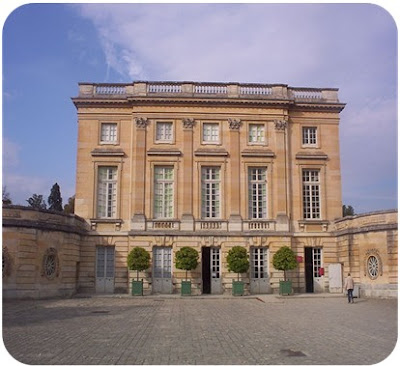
[
  {"x": 164, "y": 131},
  {"x": 311, "y": 194},
  {"x": 257, "y": 193},
  {"x": 107, "y": 192},
  {"x": 163, "y": 192},
  {"x": 210, "y": 192},
  {"x": 211, "y": 133},
  {"x": 259, "y": 262},
  {"x": 256, "y": 133},
  {"x": 310, "y": 136},
  {"x": 108, "y": 133}
]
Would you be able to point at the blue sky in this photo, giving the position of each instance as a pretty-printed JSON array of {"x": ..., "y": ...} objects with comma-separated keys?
[{"x": 49, "y": 48}]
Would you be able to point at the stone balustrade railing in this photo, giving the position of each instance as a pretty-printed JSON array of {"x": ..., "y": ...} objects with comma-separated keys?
[{"x": 210, "y": 90}]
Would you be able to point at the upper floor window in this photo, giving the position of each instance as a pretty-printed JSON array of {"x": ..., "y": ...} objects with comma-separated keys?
[
  {"x": 211, "y": 133},
  {"x": 164, "y": 132},
  {"x": 311, "y": 194},
  {"x": 257, "y": 193},
  {"x": 163, "y": 192},
  {"x": 256, "y": 133},
  {"x": 210, "y": 192},
  {"x": 310, "y": 136},
  {"x": 108, "y": 133},
  {"x": 107, "y": 192}
]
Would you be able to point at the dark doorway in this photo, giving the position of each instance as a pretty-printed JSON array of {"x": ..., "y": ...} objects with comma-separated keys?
[
  {"x": 206, "y": 271},
  {"x": 308, "y": 262}
]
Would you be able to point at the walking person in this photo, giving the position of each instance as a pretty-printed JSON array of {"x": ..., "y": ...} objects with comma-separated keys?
[{"x": 349, "y": 287}]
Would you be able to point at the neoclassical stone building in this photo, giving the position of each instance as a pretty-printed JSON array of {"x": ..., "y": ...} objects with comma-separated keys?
[
  {"x": 209, "y": 165},
  {"x": 162, "y": 165}
]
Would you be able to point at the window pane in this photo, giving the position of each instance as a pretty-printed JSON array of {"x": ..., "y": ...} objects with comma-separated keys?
[
  {"x": 108, "y": 132},
  {"x": 107, "y": 192},
  {"x": 210, "y": 192}
]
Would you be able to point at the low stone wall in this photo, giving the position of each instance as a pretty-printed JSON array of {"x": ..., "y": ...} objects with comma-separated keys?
[
  {"x": 41, "y": 253},
  {"x": 368, "y": 249}
]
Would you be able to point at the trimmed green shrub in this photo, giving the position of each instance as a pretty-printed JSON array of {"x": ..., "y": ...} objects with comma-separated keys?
[
  {"x": 284, "y": 259},
  {"x": 187, "y": 259},
  {"x": 238, "y": 260},
  {"x": 138, "y": 260}
]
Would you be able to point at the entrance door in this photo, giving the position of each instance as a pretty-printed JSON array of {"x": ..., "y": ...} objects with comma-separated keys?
[
  {"x": 105, "y": 269},
  {"x": 162, "y": 273},
  {"x": 211, "y": 270},
  {"x": 313, "y": 265},
  {"x": 259, "y": 280}
]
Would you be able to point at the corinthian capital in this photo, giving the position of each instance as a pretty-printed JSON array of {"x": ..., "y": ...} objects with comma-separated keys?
[
  {"x": 280, "y": 125},
  {"x": 234, "y": 124},
  {"x": 188, "y": 123},
  {"x": 141, "y": 122}
]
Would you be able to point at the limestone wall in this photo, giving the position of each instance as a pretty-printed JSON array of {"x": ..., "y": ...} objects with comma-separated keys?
[
  {"x": 368, "y": 249},
  {"x": 41, "y": 253}
]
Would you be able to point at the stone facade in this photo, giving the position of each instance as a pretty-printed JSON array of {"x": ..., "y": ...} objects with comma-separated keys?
[{"x": 212, "y": 166}]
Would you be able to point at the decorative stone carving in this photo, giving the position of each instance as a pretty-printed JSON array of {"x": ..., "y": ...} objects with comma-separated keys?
[
  {"x": 234, "y": 124},
  {"x": 280, "y": 125},
  {"x": 188, "y": 123},
  {"x": 141, "y": 122},
  {"x": 372, "y": 264},
  {"x": 50, "y": 267}
]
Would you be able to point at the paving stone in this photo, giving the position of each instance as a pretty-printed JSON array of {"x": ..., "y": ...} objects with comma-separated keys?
[{"x": 207, "y": 330}]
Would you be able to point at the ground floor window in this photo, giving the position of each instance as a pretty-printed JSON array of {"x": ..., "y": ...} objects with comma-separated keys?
[{"x": 259, "y": 262}]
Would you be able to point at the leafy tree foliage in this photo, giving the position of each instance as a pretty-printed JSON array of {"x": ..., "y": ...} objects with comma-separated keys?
[
  {"x": 55, "y": 200},
  {"x": 37, "y": 201},
  {"x": 238, "y": 260},
  {"x": 186, "y": 258},
  {"x": 284, "y": 259},
  {"x": 138, "y": 260},
  {"x": 348, "y": 210},
  {"x": 69, "y": 208},
  {"x": 6, "y": 197}
]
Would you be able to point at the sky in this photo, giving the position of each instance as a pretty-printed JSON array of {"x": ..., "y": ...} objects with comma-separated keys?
[{"x": 48, "y": 48}]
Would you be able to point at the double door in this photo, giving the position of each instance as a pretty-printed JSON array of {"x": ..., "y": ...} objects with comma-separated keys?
[
  {"x": 313, "y": 269},
  {"x": 211, "y": 270},
  {"x": 259, "y": 276},
  {"x": 105, "y": 263},
  {"x": 162, "y": 270}
]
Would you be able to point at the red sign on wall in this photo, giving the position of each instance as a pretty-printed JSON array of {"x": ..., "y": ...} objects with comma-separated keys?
[{"x": 299, "y": 259}]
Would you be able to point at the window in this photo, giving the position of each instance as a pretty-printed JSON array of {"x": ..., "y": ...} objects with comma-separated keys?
[
  {"x": 310, "y": 136},
  {"x": 164, "y": 132},
  {"x": 211, "y": 132},
  {"x": 256, "y": 134},
  {"x": 108, "y": 133},
  {"x": 107, "y": 192},
  {"x": 50, "y": 263},
  {"x": 311, "y": 194},
  {"x": 373, "y": 267},
  {"x": 163, "y": 192},
  {"x": 259, "y": 262},
  {"x": 317, "y": 262},
  {"x": 210, "y": 192},
  {"x": 257, "y": 193}
]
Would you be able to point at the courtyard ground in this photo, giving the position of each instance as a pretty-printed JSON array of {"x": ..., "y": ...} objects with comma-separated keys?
[{"x": 266, "y": 329}]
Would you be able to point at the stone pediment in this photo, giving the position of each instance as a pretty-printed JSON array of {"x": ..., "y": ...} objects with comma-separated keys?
[
  {"x": 312, "y": 155},
  {"x": 107, "y": 152},
  {"x": 261, "y": 153},
  {"x": 164, "y": 152}
]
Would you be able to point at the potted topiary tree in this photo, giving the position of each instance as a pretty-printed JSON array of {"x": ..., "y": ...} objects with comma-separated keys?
[
  {"x": 238, "y": 262},
  {"x": 186, "y": 258},
  {"x": 283, "y": 260},
  {"x": 138, "y": 260}
]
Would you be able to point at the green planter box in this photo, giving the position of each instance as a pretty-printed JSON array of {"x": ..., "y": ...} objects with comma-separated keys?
[
  {"x": 285, "y": 287},
  {"x": 186, "y": 288},
  {"x": 237, "y": 288},
  {"x": 137, "y": 288}
]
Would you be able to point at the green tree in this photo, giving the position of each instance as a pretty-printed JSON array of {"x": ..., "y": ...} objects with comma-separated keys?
[
  {"x": 37, "y": 201},
  {"x": 138, "y": 260},
  {"x": 238, "y": 260},
  {"x": 6, "y": 197},
  {"x": 187, "y": 259},
  {"x": 348, "y": 210},
  {"x": 69, "y": 208},
  {"x": 284, "y": 260},
  {"x": 55, "y": 200}
]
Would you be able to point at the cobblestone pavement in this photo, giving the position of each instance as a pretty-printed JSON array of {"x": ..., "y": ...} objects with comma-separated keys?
[{"x": 213, "y": 330}]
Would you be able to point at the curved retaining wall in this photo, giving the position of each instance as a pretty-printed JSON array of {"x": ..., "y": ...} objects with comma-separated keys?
[{"x": 41, "y": 253}]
